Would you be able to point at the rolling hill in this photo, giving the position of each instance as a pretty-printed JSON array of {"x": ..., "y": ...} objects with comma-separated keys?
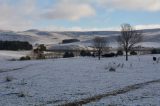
[{"x": 151, "y": 37}]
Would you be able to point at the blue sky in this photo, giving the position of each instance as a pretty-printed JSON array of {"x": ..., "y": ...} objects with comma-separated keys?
[{"x": 78, "y": 15}]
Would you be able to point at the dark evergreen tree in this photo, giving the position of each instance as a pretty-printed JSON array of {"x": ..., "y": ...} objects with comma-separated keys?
[{"x": 15, "y": 45}]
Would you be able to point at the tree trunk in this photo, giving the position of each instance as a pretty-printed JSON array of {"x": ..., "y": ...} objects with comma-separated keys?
[
  {"x": 99, "y": 57},
  {"x": 99, "y": 54},
  {"x": 126, "y": 55}
]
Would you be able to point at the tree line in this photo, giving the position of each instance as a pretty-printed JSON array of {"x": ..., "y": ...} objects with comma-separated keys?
[
  {"x": 127, "y": 40},
  {"x": 15, "y": 45}
]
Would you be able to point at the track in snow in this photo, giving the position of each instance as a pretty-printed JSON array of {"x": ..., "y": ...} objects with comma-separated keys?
[{"x": 112, "y": 93}]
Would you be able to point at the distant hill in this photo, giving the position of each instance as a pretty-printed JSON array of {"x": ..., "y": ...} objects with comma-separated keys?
[{"x": 151, "y": 36}]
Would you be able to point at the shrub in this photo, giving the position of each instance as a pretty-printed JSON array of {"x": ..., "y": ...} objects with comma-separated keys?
[
  {"x": 112, "y": 69},
  {"x": 65, "y": 55},
  {"x": 70, "y": 41},
  {"x": 85, "y": 53},
  {"x": 39, "y": 51},
  {"x": 133, "y": 53},
  {"x": 119, "y": 53},
  {"x": 109, "y": 55},
  {"x": 89, "y": 54},
  {"x": 155, "y": 51},
  {"x": 68, "y": 54},
  {"x": 28, "y": 58},
  {"x": 25, "y": 58},
  {"x": 42, "y": 47},
  {"x": 13, "y": 59},
  {"x": 93, "y": 55},
  {"x": 22, "y": 58},
  {"x": 71, "y": 54},
  {"x": 40, "y": 56}
]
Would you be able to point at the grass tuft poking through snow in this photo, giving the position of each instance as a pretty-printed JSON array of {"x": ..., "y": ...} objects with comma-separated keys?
[{"x": 8, "y": 78}]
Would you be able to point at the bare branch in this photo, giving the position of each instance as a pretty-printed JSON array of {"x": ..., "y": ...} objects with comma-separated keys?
[
  {"x": 129, "y": 38},
  {"x": 100, "y": 44}
]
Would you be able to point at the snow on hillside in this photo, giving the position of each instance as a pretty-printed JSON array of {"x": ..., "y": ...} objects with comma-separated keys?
[
  {"x": 53, "y": 82},
  {"x": 48, "y": 37},
  {"x": 12, "y": 54},
  {"x": 43, "y": 37},
  {"x": 150, "y": 44},
  {"x": 72, "y": 46},
  {"x": 34, "y": 37}
]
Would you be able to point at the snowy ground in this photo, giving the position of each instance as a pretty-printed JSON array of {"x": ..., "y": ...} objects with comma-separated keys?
[
  {"x": 59, "y": 81},
  {"x": 147, "y": 96},
  {"x": 12, "y": 54}
]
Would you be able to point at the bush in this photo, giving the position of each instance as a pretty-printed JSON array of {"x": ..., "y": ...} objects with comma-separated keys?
[
  {"x": 40, "y": 56},
  {"x": 25, "y": 58},
  {"x": 13, "y": 59},
  {"x": 109, "y": 55},
  {"x": 22, "y": 58},
  {"x": 28, "y": 58},
  {"x": 133, "y": 53},
  {"x": 71, "y": 54},
  {"x": 89, "y": 54},
  {"x": 112, "y": 69},
  {"x": 42, "y": 47},
  {"x": 119, "y": 53},
  {"x": 155, "y": 51},
  {"x": 85, "y": 53},
  {"x": 68, "y": 54},
  {"x": 70, "y": 41}
]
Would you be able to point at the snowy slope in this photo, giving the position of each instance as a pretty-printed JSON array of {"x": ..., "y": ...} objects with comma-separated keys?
[
  {"x": 52, "y": 82},
  {"x": 151, "y": 36},
  {"x": 147, "y": 96},
  {"x": 34, "y": 37},
  {"x": 72, "y": 46},
  {"x": 13, "y": 54}
]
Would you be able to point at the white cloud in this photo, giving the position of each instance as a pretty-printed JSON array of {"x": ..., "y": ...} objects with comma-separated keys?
[
  {"x": 145, "y": 5},
  {"x": 16, "y": 16},
  {"x": 149, "y": 26},
  {"x": 24, "y": 14},
  {"x": 69, "y": 10},
  {"x": 61, "y": 28}
]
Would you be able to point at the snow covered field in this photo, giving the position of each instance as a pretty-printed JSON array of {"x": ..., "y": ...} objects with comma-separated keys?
[
  {"x": 59, "y": 81},
  {"x": 12, "y": 54},
  {"x": 147, "y": 96}
]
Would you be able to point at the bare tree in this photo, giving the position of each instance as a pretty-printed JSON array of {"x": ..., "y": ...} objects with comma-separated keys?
[
  {"x": 129, "y": 38},
  {"x": 100, "y": 44}
]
